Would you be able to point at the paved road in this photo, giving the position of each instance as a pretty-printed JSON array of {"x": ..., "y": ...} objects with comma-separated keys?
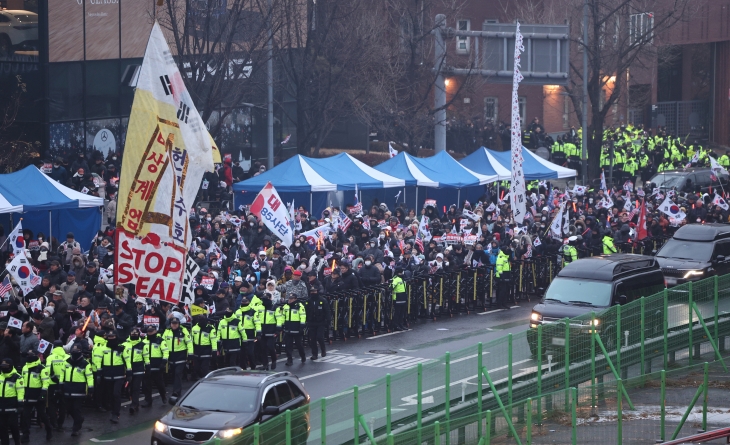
[{"x": 347, "y": 364}]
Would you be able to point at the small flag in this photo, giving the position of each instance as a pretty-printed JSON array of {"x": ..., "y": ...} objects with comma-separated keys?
[
  {"x": 603, "y": 181},
  {"x": 5, "y": 287},
  {"x": 42, "y": 346},
  {"x": 392, "y": 151},
  {"x": 16, "y": 239},
  {"x": 15, "y": 323},
  {"x": 537, "y": 242},
  {"x": 286, "y": 139}
]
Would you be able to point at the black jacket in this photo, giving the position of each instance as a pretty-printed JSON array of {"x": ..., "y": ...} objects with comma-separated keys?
[
  {"x": 370, "y": 275},
  {"x": 318, "y": 311}
]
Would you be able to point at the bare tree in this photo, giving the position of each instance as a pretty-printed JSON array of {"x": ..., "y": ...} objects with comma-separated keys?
[
  {"x": 623, "y": 35},
  {"x": 219, "y": 48},
  {"x": 15, "y": 149}
]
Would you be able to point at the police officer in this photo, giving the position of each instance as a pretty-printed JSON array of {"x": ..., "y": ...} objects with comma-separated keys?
[
  {"x": 56, "y": 362},
  {"x": 295, "y": 318},
  {"x": 35, "y": 379},
  {"x": 399, "y": 299},
  {"x": 318, "y": 320},
  {"x": 155, "y": 355},
  {"x": 271, "y": 322},
  {"x": 570, "y": 253},
  {"x": 179, "y": 346},
  {"x": 12, "y": 393},
  {"x": 78, "y": 381},
  {"x": 134, "y": 362},
  {"x": 113, "y": 373},
  {"x": 231, "y": 333},
  {"x": 205, "y": 345},
  {"x": 250, "y": 318},
  {"x": 608, "y": 246},
  {"x": 503, "y": 273},
  {"x": 97, "y": 354}
]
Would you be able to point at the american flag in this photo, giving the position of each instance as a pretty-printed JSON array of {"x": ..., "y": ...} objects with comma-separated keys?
[
  {"x": 419, "y": 241},
  {"x": 5, "y": 287}
]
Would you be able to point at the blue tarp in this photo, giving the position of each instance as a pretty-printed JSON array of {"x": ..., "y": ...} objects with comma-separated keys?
[
  {"x": 534, "y": 167},
  {"x": 49, "y": 207}
]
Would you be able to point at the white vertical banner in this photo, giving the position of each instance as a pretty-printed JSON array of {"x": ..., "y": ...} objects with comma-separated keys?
[{"x": 517, "y": 189}]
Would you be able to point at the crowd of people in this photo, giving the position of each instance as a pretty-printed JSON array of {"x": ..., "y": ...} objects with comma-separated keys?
[{"x": 78, "y": 340}]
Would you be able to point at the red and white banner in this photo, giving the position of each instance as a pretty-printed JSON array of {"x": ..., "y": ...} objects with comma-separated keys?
[
  {"x": 271, "y": 210},
  {"x": 156, "y": 268}
]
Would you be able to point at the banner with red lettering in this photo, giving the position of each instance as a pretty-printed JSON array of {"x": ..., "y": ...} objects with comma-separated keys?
[
  {"x": 269, "y": 209},
  {"x": 166, "y": 153}
]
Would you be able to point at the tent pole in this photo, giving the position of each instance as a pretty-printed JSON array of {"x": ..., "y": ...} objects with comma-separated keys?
[
  {"x": 311, "y": 210},
  {"x": 417, "y": 201},
  {"x": 50, "y": 226},
  {"x": 404, "y": 197},
  {"x": 458, "y": 198}
]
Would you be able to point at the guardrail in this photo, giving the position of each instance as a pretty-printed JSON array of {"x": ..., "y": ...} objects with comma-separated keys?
[{"x": 621, "y": 347}]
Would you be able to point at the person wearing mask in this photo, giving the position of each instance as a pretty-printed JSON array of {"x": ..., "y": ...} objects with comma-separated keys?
[
  {"x": 205, "y": 345},
  {"x": 56, "y": 275},
  {"x": 12, "y": 393},
  {"x": 36, "y": 378},
  {"x": 59, "y": 172},
  {"x": 570, "y": 253},
  {"x": 608, "y": 246},
  {"x": 400, "y": 299},
  {"x": 271, "y": 324},
  {"x": 295, "y": 287},
  {"x": 56, "y": 362},
  {"x": 179, "y": 345},
  {"x": 66, "y": 249},
  {"x": 78, "y": 382},
  {"x": 249, "y": 314},
  {"x": 221, "y": 302},
  {"x": 369, "y": 273},
  {"x": 134, "y": 362},
  {"x": 231, "y": 334},
  {"x": 155, "y": 355},
  {"x": 113, "y": 373},
  {"x": 503, "y": 273},
  {"x": 318, "y": 320},
  {"x": 295, "y": 318}
]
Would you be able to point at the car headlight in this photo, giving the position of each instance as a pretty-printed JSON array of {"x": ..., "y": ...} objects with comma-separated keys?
[
  {"x": 535, "y": 316},
  {"x": 227, "y": 434},
  {"x": 160, "y": 427},
  {"x": 693, "y": 273},
  {"x": 595, "y": 322}
]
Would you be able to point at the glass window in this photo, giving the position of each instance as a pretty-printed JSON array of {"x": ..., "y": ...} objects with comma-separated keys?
[
  {"x": 523, "y": 110},
  {"x": 129, "y": 72},
  {"x": 225, "y": 398},
  {"x": 102, "y": 88},
  {"x": 284, "y": 393},
  {"x": 579, "y": 291},
  {"x": 490, "y": 109},
  {"x": 462, "y": 42},
  {"x": 640, "y": 286},
  {"x": 270, "y": 398},
  {"x": 686, "y": 250},
  {"x": 65, "y": 91},
  {"x": 296, "y": 392},
  {"x": 103, "y": 136}
]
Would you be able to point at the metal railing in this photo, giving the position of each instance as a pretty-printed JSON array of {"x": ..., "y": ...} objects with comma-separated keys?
[{"x": 501, "y": 387}]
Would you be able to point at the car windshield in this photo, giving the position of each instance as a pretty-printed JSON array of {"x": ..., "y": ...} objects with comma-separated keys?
[
  {"x": 27, "y": 18},
  {"x": 577, "y": 291},
  {"x": 216, "y": 397},
  {"x": 686, "y": 250},
  {"x": 668, "y": 180}
]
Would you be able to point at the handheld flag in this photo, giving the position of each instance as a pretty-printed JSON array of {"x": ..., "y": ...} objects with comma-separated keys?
[
  {"x": 716, "y": 167},
  {"x": 603, "y": 181},
  {"x": 5, "y": 287},
  {"x": 16, "y": 239},
  {"x": 392, "y": 151},
  {"x": 641, "y": 231},
  {"x": 268, "y": 207},
  {"x": 21, "y": 270}
]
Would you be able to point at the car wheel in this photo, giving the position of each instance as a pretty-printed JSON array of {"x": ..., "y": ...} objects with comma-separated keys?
[{"x": 6, "y": 47}]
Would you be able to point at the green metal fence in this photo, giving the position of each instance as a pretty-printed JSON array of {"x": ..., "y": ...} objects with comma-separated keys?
[{"x": 496, "y": 392}]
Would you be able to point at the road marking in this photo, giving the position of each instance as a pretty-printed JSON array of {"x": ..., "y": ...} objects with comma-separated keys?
[
  {"x": 676, "y": 305},
  {"x": 376, "y": 360},
  {"x": 467, "y": 357},
  {"x": 318, "y": 374},
  {"x": 424, "y": 401},
  {"x": 491, "y": 312},
  {"x": 94, "y": 439},
  {"x": 385, "y": 335},
  {"x": 513, "y": 364},
  {"x": 514, "y": 307}
]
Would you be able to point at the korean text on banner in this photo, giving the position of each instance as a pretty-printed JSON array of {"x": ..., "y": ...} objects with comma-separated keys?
[
  {"x": 272, "y": 211},
  {"x": 191, "y": 271},
  {"x": 517, "y": 188},
  {"x": 167, "y": 151}
]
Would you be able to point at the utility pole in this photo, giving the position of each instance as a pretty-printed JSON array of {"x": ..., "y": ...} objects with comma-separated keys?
[
  {"x": 439, "y": 90},
  {"x": 584, "y": 141},
  {"x": 270, "y": 91}
]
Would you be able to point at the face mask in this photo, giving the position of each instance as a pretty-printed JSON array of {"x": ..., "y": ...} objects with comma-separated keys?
[
  {"x": 207, "y": 219},
  {"x": 113, "y": 343},
  {"x": 152, "y": 336},
  {"x": 5, "y": 369},
  {"x": 297, "y": 244},
  {"x": 262, "y": 269},
  {"x": 367, "y": 263},
  {"x": 114, "y": 158},
  {"x": 134, "y": 337},
  {"x": 76, "y": 356}
]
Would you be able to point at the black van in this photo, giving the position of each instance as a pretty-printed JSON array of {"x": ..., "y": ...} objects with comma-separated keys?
[
  {"x": 696, "y": 251},
  {"x": 594, "y": 284}
]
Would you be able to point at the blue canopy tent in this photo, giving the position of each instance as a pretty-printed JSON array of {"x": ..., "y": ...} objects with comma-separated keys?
[
  {"x": 316, "y": 182},
  {"x": 484, "y": 160},
  {"x": 437, "y": 177},
  {"x": 47, "y": 206}
]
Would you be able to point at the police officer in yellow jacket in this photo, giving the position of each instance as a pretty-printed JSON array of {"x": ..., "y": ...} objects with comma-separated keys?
[
  {"x": 503, "y": 273},
  {"x": 35, "y": 380},
  {"x": 205, "y": 345},
  {"x": 78, "y": 381},
  {"x": 250, "y": 316},
  {"x": 570, "y": 253},
  {"x": 231, "y": 334},
  {"x": 295, "y": 318},
  {"x": 134, "y": 363},
  {"x": 97, "y": 354},
  {"x": 271, "y": 323},
  {"x": 179, "y": 346},
  {"x": 608, "y": 246},
  {"x": 56, "y": 363},
  {"x": 400, "y": 300},
  {"x": 113, "y": 372},
  {"x": 12, "y": 393},
  {"x": 155, "y": 355}
]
